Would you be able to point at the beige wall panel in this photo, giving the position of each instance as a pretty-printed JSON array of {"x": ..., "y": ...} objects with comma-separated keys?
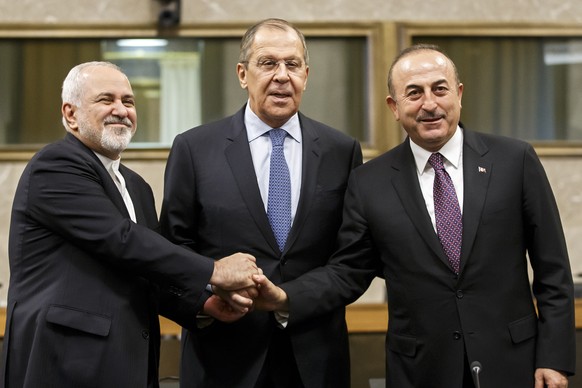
[{"x": 204, "y": 11}]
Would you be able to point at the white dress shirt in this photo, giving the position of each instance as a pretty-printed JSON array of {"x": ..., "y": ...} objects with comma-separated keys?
[
  {"x": 453, "y": 161},
  {"x": 260, "y": 145},
  {"x": 112, "y": 167}
]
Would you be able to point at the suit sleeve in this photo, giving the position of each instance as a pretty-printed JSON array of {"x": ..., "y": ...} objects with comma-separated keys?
[
  {"x": 357, "y": 158},
  {"x": 68, "y": 197},
  {"x": 349, "y": 272},
  {"x": 552, "y": 283},
  {"x": 178, "y": 216}
]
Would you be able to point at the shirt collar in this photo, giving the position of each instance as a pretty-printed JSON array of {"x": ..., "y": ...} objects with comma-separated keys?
[
  {"x": 257, "y": 128},
  {"x": 110, "y": 164},
  {"x": 452, "y": 151}
]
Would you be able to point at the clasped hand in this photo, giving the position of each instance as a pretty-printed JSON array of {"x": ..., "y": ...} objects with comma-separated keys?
[{"x": 239, "y": 286}]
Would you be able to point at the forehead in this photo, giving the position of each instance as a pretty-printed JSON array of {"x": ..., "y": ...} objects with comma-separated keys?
[
  {"x": 101, "y": 79},
  {"x": 423, "y": 67},
  {"x": 271, "y": 41}
]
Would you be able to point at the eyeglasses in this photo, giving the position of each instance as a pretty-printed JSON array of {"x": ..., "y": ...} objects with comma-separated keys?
[{"x": 269, "y": 66}]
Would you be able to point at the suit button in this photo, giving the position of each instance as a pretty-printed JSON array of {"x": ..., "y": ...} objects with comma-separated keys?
[
  {"x": 457, "y": 335},
  {"x": 283, "y": 260},
  {"x": 145, "y": 334},
  {"x": 460, "y": 294},
  {"x": 176, "y": 291}
]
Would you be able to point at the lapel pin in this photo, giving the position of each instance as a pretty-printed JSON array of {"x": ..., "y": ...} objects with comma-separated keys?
[{"x": 482, "y": 170}]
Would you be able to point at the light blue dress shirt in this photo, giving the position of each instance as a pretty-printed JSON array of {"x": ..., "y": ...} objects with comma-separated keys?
[{"x": 260, "y": 145}]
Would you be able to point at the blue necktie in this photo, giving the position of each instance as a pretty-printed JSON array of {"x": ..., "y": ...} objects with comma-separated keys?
[
  {"x": 449, "y": 222},
  {"x": 279, "y": 201}
]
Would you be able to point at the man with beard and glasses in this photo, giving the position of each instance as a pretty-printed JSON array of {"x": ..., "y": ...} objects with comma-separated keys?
[{"x": 88, "y": 271}]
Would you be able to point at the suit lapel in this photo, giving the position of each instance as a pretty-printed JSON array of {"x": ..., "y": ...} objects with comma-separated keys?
[
  {"x": 309, "y": 173},
  {"x": 238, "y": 155},
  {"x": 108, "y": 184},
  {"x": 406, "y": 184},
  {"x": 477, "y": 170}
]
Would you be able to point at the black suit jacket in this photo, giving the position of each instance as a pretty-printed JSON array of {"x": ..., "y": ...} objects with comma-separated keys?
[
  {"x": 212, "y": 204},
  {"x": 435, "y": 316},
  {"x": 85, "y": 280}
]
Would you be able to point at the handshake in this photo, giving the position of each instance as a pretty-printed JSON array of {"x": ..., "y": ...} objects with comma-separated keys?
[{"x": 238, "y": 287}]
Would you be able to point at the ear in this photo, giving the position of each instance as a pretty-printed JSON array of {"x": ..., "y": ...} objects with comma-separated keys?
[
  {"x": 460, "y": 94},
  {"x": 68, "y": 110},
  {"x": 393, "y": 107},
  {"x": 306, "y": 76},
  {"x": 241, "y": 71}
]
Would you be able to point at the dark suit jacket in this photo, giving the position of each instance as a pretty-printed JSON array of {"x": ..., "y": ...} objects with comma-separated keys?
[
  {"x": 212, "y": 205},
  {"x": 434, "y": 315},
  {"x": 85, "y": 279}
]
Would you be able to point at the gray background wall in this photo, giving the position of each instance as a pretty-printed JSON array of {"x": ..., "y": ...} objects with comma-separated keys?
[{"x": 219, "y": 11}]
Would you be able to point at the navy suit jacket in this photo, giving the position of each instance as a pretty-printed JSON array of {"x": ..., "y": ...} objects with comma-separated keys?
[
  {"x": 435, "y": 316},
  {"x": 85, "y": 280},
  {"x": 212, "y": 204}
]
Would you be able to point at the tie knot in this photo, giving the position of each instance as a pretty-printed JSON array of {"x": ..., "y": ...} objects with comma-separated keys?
[
  {"x": 277, "y": 136},
  {"x": 436, "y": 161}
]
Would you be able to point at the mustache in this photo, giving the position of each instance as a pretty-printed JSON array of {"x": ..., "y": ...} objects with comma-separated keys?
[
  {"x": 118, "y": 120},
  {"x": 430, "y": 116}
]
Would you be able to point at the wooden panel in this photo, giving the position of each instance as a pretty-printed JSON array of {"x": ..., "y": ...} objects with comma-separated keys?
[
  {"x": 367, "y": 318},
  {"x": 361, "y": 318}
]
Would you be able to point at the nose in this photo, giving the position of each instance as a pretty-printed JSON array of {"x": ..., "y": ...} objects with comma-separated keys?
[
  {"x": 119, "y": 109},
  {"x": 281, "y": 72},
  {"x": 429, "y": 101}
]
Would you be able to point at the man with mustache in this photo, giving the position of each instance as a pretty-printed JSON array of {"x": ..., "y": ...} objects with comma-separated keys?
[
  {"x": 88, "y": 270},
  {"x": 220, "y": 195},
  {"x": 450, "y": 217}
]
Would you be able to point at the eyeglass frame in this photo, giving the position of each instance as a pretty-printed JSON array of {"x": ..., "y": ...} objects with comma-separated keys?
[{"x": 273, "y": 67}]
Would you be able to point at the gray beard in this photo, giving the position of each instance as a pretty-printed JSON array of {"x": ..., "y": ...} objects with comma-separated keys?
[
  {"x": 115, "y": 141},
  {"x": 112, "y": 140}
]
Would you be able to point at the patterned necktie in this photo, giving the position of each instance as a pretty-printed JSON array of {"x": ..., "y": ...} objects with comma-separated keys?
[
  {"x": 279, "y": 200},
  {"x": 449, "y": 222}
]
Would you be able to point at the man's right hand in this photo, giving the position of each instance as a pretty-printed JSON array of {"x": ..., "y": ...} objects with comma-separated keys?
[{"x": 234, "y": 272}]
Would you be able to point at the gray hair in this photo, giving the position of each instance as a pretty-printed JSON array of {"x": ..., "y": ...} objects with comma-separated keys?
[
  {"x": 249, "y": 37},
  {"x": 72, "y": 90}
]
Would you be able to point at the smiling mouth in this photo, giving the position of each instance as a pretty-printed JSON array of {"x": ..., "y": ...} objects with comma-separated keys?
[
  {"x": 430, "y": 119},
  {"x": 118, "y": 123}
]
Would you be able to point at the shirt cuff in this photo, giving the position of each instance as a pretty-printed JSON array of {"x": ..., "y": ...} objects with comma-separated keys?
[
  {"x": 282, "y": 318},
  {"x": 203, "y": 320}
]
